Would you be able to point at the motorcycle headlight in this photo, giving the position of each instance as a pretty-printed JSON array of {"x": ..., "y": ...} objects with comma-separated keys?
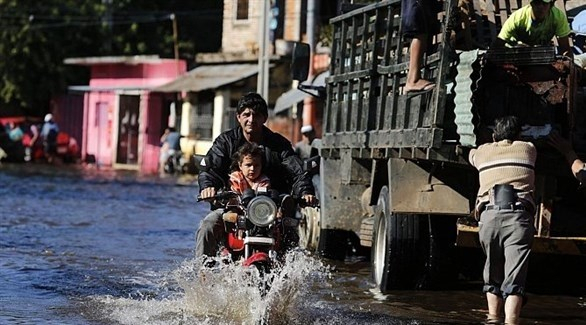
[{"x": 262, "y": 211}]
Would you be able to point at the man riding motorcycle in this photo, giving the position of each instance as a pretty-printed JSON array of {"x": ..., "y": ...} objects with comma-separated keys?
[{"x": 282, "y": 166}]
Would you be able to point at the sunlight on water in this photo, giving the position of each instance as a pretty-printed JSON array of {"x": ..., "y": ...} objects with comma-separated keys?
[{"x": 229, "y": 294}]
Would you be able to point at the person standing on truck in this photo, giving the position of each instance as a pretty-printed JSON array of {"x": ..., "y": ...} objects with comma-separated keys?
[
  {"x": 284, "y": 168},
  {"x": 419, "y": 21},
  {"x": 536, "y": 24},
  {"x": 506, "y": 169}
]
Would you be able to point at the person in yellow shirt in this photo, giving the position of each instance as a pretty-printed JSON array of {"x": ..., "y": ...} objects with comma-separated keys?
[{"x": 536, "y": 24}]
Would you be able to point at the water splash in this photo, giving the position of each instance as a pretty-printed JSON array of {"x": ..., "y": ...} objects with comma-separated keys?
[{"x": 227, "y": 294}]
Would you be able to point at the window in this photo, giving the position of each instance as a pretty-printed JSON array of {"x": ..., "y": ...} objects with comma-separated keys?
[
  {"x": 201, "y": 121},
  {"x": 241, "y": 9},
  {"x": 229, "y": 118}
]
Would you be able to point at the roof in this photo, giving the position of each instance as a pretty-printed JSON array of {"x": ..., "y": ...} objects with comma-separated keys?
[
  {"x": 112, "y": 88},
  {"x": 209, "y": 77},
  {"x": 294, "y": 96},
  {"x": 137, "y": 59}
]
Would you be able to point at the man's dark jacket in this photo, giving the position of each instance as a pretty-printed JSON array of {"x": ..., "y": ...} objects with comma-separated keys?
[{"x": 285, "y": 168}]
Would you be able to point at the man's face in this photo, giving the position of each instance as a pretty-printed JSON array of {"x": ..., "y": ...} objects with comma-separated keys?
[
  {"x": 540, "y": 9},
  {"x": 251, "y": 121},
  {"x": 250, "y": 167}
]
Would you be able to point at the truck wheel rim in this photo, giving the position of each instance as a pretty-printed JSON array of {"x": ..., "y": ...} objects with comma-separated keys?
[{"x": 380, "y": 248}]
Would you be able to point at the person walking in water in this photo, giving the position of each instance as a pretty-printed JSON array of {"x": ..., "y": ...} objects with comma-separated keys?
[
  {"x": 49, "y": 135},
  {"x": 506, "y": 169}
]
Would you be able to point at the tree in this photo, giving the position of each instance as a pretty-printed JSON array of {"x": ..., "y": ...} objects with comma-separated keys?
[{"x": 36, "y": 37}]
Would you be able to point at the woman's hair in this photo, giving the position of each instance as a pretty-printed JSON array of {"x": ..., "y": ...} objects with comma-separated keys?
[
  {"x": 248, "y": 149},
  {"x": 506, "y": 128}
]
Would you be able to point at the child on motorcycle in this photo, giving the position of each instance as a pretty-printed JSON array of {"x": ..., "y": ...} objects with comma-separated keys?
[{"x": 247, "y": 169}]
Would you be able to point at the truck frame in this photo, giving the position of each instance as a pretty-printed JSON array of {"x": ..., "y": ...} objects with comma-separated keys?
[{"x": 395, "y": 177}]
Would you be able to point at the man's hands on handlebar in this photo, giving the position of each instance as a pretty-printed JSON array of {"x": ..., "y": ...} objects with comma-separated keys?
[
  {"x": 310, "y": 200},
  {"x": 207, "y": 193},
  {"x": 210, "y": 193}
]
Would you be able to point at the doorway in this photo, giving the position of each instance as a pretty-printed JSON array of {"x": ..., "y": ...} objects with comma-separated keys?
[{"x": 127, "y": 149}]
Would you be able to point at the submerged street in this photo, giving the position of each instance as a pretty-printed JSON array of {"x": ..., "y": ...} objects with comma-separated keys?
[{"x": 83, "y": 246}]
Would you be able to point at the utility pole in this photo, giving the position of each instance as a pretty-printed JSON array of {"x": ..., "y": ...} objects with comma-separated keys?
[
  {"x": 107, "y": 22},
  {"x": 262, "y": 86},
  {"x": 174, "y": 116},
  {"x": 175, "y": 45},
  {"x": 312, "y": 8}
]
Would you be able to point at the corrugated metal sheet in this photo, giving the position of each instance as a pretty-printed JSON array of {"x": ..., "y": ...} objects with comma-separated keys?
[
  {"x": 462, "y": 100},
  {"x": 209, "y": 77}
]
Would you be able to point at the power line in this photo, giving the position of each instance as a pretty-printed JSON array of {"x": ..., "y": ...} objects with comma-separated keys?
[{"x": 47, "y": 22}]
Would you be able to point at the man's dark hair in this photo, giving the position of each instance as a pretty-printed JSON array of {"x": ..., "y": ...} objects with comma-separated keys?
[
  {"x": 506, "y": 128},
  {"x": 248, "y": 149},
  {"x": 253, "y": 101}
]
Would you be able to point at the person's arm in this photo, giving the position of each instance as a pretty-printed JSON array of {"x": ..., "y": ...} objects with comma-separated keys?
[
  {"x": 35, "y": 132},
  {"x": 215, "y": 167},
  {"x": 302, "y": 185},
  {"x": 498, "y": 43},
  {"x": 565, "y": 48},
  {"x": 565, "y": 147}
]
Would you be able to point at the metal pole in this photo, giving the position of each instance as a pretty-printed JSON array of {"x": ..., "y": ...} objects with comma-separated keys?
[
  {"x": 262, "y": 86},
  {"x": 266, "y": 50},
  {"x": 312, "y": 6},
  {"x": 175, "y": 44}
]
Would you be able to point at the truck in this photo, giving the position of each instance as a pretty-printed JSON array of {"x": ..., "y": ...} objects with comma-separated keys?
[{"x": 395, "y": 181}]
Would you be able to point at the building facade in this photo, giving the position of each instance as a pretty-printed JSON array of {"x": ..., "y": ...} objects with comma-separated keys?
[{"x": 122, "y": 118}]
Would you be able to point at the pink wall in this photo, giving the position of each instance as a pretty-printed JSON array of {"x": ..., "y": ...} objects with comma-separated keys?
[
  {"x": 152, "y": 132},
  {"x": 101, "y": 109}
]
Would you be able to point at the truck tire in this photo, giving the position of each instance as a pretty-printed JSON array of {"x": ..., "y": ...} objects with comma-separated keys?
[
  {"x": 394, "y": 249},
  {"x": 411, "y": 251}
]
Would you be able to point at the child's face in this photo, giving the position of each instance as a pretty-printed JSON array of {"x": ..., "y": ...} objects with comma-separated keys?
[{"x": 251, "y": 167}]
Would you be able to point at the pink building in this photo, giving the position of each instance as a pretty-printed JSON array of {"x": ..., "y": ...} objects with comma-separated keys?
[{"x": 122, "y": 119}]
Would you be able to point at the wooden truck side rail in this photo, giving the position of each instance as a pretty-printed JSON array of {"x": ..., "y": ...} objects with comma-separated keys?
[
  {"x": 369, "y": 61},
  {"x": 367, "y": 110}
]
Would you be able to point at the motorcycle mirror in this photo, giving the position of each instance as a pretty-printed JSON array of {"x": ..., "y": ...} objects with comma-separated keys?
[
  {"x": 300, "y": 61},
  {"x": 311, "y": 165}
]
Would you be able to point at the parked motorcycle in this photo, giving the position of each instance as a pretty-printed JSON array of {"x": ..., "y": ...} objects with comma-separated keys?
[{"x": 259, "y": 226}]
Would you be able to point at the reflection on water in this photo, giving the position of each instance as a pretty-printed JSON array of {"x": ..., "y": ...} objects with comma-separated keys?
[{"x": 84, "y": 246}]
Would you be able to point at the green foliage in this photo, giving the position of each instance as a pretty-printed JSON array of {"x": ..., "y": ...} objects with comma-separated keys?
[{"x": 36, "y": 37}]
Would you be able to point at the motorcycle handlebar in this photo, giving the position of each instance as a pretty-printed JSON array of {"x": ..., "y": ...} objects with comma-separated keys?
[
  {"x": 301, "y": 202},
  {"x": 220, "y": 195},
  {"x": 227, "y": 194}
]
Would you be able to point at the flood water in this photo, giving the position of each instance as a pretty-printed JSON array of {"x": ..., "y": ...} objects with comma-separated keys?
[{"x": 81, "y": 246}]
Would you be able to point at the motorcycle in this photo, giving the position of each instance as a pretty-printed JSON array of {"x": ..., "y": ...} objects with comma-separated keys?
[
  {"x": 174, "y": 163},
  {"x": 258, "y": 226}
]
